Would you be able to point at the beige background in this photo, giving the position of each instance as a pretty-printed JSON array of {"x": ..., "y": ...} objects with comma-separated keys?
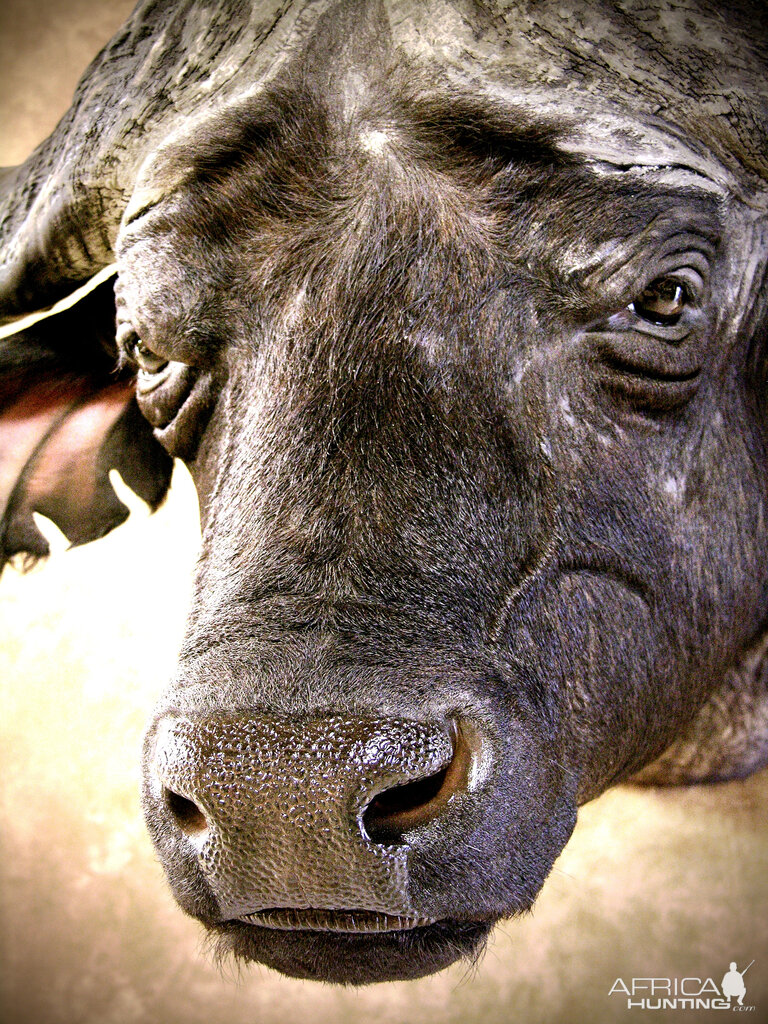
[{"x": 654, "y": 883}]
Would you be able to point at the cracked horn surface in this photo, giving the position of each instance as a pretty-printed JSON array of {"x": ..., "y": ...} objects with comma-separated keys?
[{"x": 284, "y": 801}]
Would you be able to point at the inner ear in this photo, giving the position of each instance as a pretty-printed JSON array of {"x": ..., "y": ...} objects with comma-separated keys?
[{"x": 66, "y": 419}]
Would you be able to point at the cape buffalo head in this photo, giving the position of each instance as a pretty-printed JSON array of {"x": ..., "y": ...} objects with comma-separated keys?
[{"x": 456, "y": 312}]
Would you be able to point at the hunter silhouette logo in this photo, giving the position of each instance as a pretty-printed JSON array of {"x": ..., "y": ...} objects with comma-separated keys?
[
  {"x": 689, "y": 993},
  {"x": 733, "y": 983}
]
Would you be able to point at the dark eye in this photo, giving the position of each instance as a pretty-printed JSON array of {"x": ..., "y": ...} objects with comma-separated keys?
[
  {"x": 662, "y": 302},
  {"x": 147, "y": 360}
]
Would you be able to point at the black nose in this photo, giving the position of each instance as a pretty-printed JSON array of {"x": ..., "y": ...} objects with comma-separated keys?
[{"x": 309, "y": 815}]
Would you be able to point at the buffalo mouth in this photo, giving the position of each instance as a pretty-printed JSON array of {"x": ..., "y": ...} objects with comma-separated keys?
[
  {"x": 344, "y": 921},
  {"x": 380, "y": 948}
]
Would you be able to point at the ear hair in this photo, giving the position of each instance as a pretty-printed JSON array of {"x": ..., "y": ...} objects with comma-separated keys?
[{"x": 66, "y": 420}]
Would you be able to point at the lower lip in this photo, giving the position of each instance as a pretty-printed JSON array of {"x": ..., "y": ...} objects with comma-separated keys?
[{"x": 344, "y": 921}]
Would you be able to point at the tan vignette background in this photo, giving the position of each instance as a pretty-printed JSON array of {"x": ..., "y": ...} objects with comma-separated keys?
[{"x": 654, "y": 883}]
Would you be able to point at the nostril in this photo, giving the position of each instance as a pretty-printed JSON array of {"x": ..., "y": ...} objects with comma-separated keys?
[
  {"x": 188, "y": 815},
  {"x": 406, "y": 806},
  {"x": 407, "y": 797}
]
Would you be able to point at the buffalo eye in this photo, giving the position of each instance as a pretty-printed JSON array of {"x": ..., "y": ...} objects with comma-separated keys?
[
  {"x": 662, "y": 302},
  {"x": 148, "y": 362}
]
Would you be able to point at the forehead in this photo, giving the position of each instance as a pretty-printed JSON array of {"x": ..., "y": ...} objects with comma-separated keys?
[
  {"x": 444, "y": 203},
  {"x": 293, "y": 153},
  {"x": 292, "y": 161},
  {"x": 655, "y": 83},
  {"x": 627, "y": 87}
]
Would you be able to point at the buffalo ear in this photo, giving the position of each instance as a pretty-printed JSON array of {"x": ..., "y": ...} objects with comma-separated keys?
[{"x": 66, "y": 419}]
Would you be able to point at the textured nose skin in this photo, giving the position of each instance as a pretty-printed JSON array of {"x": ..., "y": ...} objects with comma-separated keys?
[{"x": 283, "y": 801}]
